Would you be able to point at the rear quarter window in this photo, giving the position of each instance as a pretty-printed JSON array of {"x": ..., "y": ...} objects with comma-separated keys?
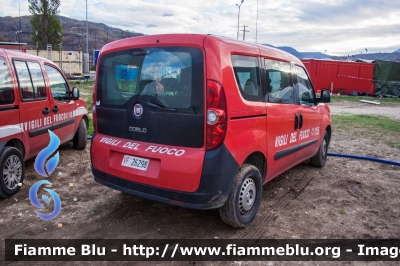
[{"x": 246, "y": 70}]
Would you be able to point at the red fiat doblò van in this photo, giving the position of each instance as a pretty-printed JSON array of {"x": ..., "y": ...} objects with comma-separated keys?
[
  {"x": 34, "y": 97},
  {"x": 202, "y": 121}
]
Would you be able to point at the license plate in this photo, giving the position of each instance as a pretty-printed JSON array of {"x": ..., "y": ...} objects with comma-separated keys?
[{"x": 135, "y": 162}]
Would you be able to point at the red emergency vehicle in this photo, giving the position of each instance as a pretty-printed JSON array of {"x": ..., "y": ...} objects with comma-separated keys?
[
  {"x": 202, "y": 121},
  {"x": 34, "y": 97}
]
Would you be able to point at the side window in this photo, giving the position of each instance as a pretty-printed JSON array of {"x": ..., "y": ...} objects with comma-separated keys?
[
  {"x": 279, "y": 86},
  {"x": 58, "y": 86},
  {"x": 6, "y": 88},
  {"x": 24, "y": 81},
  {"x": 37, "y": 80},
  {"x": 30, "y": 80},
  {"x": 246, "y": 69},
  {"x": 304, "y": 87}
]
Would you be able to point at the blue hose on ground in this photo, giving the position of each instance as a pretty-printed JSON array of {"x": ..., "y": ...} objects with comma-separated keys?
[{"x": 364, "y": 158}]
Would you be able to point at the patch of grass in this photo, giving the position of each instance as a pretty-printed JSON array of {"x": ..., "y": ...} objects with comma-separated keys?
[
  {"x": 344, "y": 98},
  {"x": 377, "y": 189},
  {"x": 369, "y": 126},
  {"x": 342, "y": 212},
  {"x": 395, "y": 145},
  {"x": 86, "y": 92},
  {"x": 370, "y": 122},
  {"x": 331, "y": 214},
  {"x": 82, "y": 84}
]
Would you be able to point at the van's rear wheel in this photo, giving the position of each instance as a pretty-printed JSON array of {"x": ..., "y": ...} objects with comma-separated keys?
[
  {"x": 244, "y": 198},
  {"x": 80, "y": 136},
  {"x": 11, "y": 171},
  {"x": 319, "y": 159}
]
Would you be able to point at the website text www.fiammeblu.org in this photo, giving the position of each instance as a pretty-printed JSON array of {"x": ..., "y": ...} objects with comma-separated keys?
[{"x": 202, "y": 250}]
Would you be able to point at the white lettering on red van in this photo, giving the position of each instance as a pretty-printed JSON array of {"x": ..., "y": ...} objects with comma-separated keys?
[
  {"x": 281, "y": 140},
  {"x": 47, "y": 120},
  {"x": 315, "y": 131},
  {"x": 110, "y": 141},
  {"x": 63, "y": 116},
  {"x": 162, "y": 150},
  {"x": 304, "y": 134},
  {"x": 31, "y": 124},
  {"x": 131, "y": 146},
  {"x": 293, "y": 137}
]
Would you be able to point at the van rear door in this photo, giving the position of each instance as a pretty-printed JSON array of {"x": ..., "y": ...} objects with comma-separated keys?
[
  {"x": 153, "y": 95},
  {"x": 149, "y": 108}
]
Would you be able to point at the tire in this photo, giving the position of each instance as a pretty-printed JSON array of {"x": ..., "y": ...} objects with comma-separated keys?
[
  {"x": 319, "y": 159},
  {"x": 80, "y": 138},
  {"x": 12, "y": 171},
  {"x": 244, "y": 198}
]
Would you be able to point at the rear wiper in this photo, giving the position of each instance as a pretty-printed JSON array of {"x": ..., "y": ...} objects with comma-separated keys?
[
  {"x": 161, "y": 106},
  {"x": 156, "y": 105}
]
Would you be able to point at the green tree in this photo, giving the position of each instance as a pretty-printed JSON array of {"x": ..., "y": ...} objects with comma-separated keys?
[{"x": 46, "y": 26}]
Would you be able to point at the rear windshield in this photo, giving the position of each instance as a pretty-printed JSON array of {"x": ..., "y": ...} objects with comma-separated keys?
[{"x": 171, "y": 77}]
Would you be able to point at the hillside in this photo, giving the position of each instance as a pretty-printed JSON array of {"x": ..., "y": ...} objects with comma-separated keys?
[
  {"x": 99, "y": 33},
  {"x": 395, "y": 56}
]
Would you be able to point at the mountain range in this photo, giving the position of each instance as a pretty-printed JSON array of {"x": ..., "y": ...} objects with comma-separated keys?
[
  {"x": 74, "y": 38},
  {"x": 74, "y": 33},
  {"x": 395, "y": 56}
]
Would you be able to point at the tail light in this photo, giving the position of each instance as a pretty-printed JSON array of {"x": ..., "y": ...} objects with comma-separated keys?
[{"x": 216, "y": 114}]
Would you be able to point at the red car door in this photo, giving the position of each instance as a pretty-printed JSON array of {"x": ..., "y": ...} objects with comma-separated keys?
[
  {"x": 282, "y": 118},
  {"x": 62, "y": 108},
  {"x": 309, "y": 114},
  {"x": 34, "y": 107}
]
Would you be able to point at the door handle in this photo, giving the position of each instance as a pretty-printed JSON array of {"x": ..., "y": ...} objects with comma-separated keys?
[
  {"x": 46, "y": 111},
  {"x": 55, "y": 109},
  {"x": 301, "y": 121},
  {"x": 296, "y": 122}
]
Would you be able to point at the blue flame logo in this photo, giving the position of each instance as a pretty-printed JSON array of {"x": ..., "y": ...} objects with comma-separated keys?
[
  {"x": 45, "y": 153},
  {"x": 50, "y": 166}
]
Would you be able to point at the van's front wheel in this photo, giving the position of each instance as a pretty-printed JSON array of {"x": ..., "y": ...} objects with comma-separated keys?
[
  {"x": 244, "y": 198},
  {"x": 11, "y": 171},
  {"x": 80, "y": 140},
  {"x": 319, "y": 159}
]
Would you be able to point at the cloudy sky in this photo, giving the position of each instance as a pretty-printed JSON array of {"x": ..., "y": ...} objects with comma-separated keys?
[{"x": 340, "y": 27}]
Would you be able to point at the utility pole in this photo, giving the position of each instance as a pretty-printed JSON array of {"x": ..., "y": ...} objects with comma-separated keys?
[
  {"x": 257, "y": 22},
  {"x": 238, "y": 18},
  {"x": 95, "y": 39},
  {"x": 244, "y": 31},
  {"x": 87, "y": 35}
]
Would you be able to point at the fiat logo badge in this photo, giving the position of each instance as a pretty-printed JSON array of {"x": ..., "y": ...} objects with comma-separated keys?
[{"x": 138, "y": 110}]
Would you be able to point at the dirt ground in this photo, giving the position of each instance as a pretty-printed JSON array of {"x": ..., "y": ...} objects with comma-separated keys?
[{"x": 347, "y": 199}]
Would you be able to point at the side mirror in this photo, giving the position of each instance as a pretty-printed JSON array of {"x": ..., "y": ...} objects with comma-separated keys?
[
  {"x": 305, "y": 97},
  {"x": 75, "y": 93},
  {"x": 325, "y": 96}
]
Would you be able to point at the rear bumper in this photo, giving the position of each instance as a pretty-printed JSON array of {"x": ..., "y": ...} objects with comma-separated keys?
[{"x": 219, "y": 171}]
